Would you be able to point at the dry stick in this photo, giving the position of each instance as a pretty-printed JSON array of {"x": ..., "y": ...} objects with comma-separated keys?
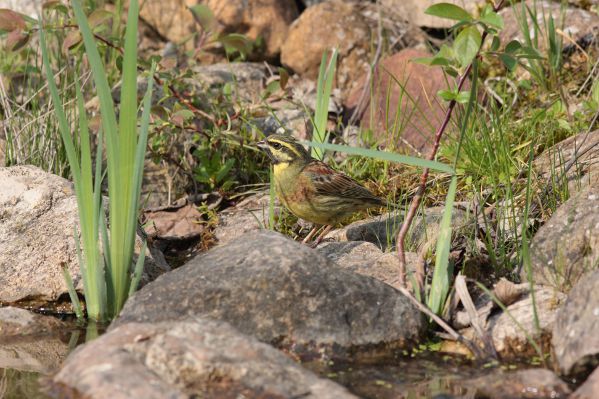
[{"x": 422, "y": 187}]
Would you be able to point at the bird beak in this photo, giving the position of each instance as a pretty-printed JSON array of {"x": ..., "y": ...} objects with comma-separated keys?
[{"x": 262, "y": 145}]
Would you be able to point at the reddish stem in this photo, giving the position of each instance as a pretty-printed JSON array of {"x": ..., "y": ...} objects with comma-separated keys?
[{"x": 401, "y": 235}]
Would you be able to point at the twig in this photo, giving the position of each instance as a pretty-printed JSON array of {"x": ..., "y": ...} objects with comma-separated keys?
[
  {"x": 423, "y": 179},
  {"x": 476, "y": 351}
]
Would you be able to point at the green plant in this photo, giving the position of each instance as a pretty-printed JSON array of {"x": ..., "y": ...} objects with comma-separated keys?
[
  {"x": 326, "y": 74},
  {"x": 212, "y": 171},
  {"x": 109, "y": 275}
]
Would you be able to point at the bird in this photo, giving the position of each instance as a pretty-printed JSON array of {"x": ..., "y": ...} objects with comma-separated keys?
[{"x": 311, "y": 189}]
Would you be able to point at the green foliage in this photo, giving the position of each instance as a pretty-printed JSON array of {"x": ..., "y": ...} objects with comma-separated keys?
[
  {"x": 324, "y": 86},
  {"x": 110, "y": 278},
  {"x": 212, "y": 171}
]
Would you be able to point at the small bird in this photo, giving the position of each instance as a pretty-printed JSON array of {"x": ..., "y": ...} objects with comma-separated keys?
[{"x": 311, "y": 189}]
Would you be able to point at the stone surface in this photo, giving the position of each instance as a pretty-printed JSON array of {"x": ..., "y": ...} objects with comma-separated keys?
[
  {"x": 567, "y": 245},
  {"x": 405, "y": 87},
  {"x": 575, "y": 339},
  {"x": 280, "y": 292},
  {"x": 33, "y": 353},
  {"x": 351, "y": 27},
  {"x": 268, "y": 19},
  {"x": 532, "y": 383},
  {"x": 589, "y": 389},
  {"x": 196, "y": 358},
  {"x": 577, "y": 22},
  {"x": 250, "y": 215},
  {"x": 508, "y": 337},
  {"x": 16, "y": 321},
  {"x": 365, "y": 258},
  {"x": 27, "y": 7},
  {"x": 38, "y": 212},
  {"x": 382, "y": 230},
  {"x": 413, "y": 11},
  {"x": 551, "y": 164}
]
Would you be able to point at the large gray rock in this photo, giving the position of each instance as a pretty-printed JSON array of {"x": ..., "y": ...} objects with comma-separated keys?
[
  {"x": 567, "y": 245},
  {"x": 365, "y": 258},
  {"x": 589, "y": 389},
  {"x": 382, "y": 230},
  {"x": 582, "y": 151},
  {"x": 38, "y": 213},
  {"x": 197, "y": 358},
  {"x": 281, "y": 292},
  {"x": 16, "y": 321},
  {"x": 509, "y": 331},
  {"x": 575, "y": 338}
]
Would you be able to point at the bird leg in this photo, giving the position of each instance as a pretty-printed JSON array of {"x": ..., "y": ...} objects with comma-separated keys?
[
  {"x": 310, "y": 234},
  {"x": 321, "y": 236}
]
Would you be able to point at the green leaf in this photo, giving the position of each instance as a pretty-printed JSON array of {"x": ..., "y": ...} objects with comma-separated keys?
[
  {"x": 466, "y": 45},
  {"x": 235, "y": 41},
  {"x": 492, "y": 19},
  {"x": 443, "y": 271},
  {"x": 449, "y": 11},
  {"x": 447, "y": 95},
  {"x": 595, "y": 93},
  {"x": 203, "y": 16},
  {"x": 496, "y": 43},
  {"x": 509, "y": 61},
  {"x": 513, "y": 46},
  {"x": 463, "y": 97}
]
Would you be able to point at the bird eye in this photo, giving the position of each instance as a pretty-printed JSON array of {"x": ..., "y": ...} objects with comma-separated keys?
[{"x": 276, "y": 146}]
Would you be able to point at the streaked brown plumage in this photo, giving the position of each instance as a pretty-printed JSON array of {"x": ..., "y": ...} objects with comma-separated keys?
[{"x": 311, "y": 189}]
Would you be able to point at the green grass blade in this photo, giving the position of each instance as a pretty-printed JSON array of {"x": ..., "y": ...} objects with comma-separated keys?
[
  {"x": 386, "y": 156},
  {"x": 271, "y": 201},
  {"x": 442, "y": 273},
  {"x": 139, "y": 267},
  {"x": 323, "y": 95},
  {"x": 72, "y": 292}
]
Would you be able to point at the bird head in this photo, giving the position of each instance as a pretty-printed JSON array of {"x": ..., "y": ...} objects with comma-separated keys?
[{"x": 282, "y": 148}]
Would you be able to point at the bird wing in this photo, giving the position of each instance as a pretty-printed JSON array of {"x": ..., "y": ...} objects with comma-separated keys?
[{"x": 330, "y": 182}]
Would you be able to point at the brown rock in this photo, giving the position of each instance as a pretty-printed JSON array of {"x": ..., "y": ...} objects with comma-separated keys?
[
  {"x": 268, "y": 19},
  {"x": 322, "y": 27},
  {"x": 16, "y": 321},
  {"x": 414, "y": 98},
  {"x": 413, "y": 11},
  {"x": 346, "y": 25},
  {"x": 577, "y": 22}
]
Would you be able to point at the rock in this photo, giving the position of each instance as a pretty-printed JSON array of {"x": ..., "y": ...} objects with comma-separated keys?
[
  {"x": 280, "y": 292},
  {"x": 532, "y": 383},
  {"x": 585, "y": 171},
  {"x": 250, "y": 215},
  {"x": 347, "y": 26},
  {"x": 413, "y": 11},
  {"x": 16, "y": 321},
  {"x": 577, "y": 22},
  {"x": 586, "y": 4},
  {"x": 382, "y": 230},
  {"x": 567, "y": 245},
  {"x": 367, "y": 259},
  {"x": 267, "y": 19},
  {"x": 31, "y": 8},
  {"x": 400, "y": 85},
  {"x": 245, "y": 79},
  {"x": 508, "y": 337},
  {"x": 30, "y": 342},
  {"x": 291, "y": 120},
  {"x": 589, "y": 389},
  {"x": 196, "y": 358},
  {"x": 38, "y": 211},
  {"x": 575, "y": 339}
]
